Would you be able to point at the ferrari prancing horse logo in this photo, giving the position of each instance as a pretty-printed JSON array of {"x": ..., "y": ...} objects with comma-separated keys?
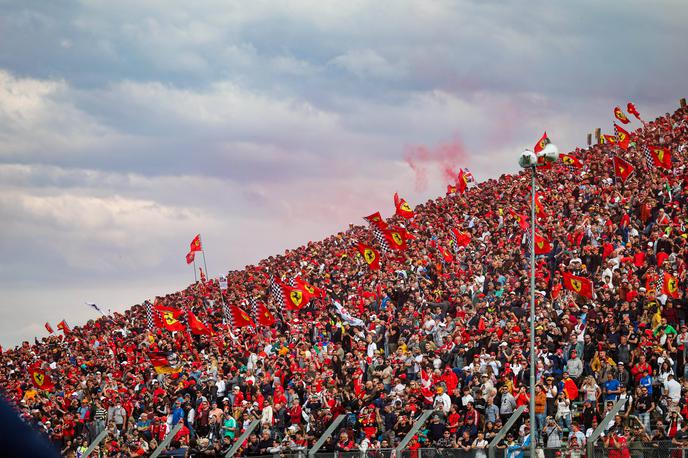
[
  {"x": 39, "y": 378},
  {"x": 369, "y": 255},
  {"x": 296, "y": 297},
  {"x": 397, "y": 238},
  {"x": 576, "y": 284}
]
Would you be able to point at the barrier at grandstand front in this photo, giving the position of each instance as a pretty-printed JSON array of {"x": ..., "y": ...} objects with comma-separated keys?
[
  {"x": 95, "y": 443},
  {"x": 166, "y": 441},
  {"x": 505, "y": 429},
  {"x": 413, "y": 431},
  {"x": 602, "y": 426},
  {"x": 328, "y": 432},
  {"x": 253, "y": 425}
]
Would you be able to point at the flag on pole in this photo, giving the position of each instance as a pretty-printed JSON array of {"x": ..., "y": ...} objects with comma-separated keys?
[
  {"x": 670, "y": 286},
  {"x": 657, "y": 156},
  {"x": 580, "y": 285},
  {"x": 632, "y": 110},
  {"x": 619, "y": 114},
  {"x": 95, "y": 307},
  {"x": 571, "y": 161},
  {"x": 540, "y": 145},
  {"x": 196, "y": 244},
  {"x": 312, "y": 290},
  {"x": 622, "y": 169},
  {"x": 190, "y": 257},
  {"x": 403, "y": 209},
  {"x": 168, "y": 318},
  {"x": 197, "y": 326},
  {"x": 239, "y": 318},
  {"x": 150, "y": 324},
  {"x": 48, "y": 327},
  {"x": 542, "y": 245},
  {"x": 63, "y": 326},
  {"x": 263, "y": 315},
  {"x": 451, "y": 189},
  {"x": 608, "y": 139},
  {"x": 376, "y": 220},
  {"x": 462, "y": 181},
  {"x": 165, "y": 362},
  {"x": 370, "y": 255},
  {"x": 623, "y": 137},
  {"x": 40, "y": 378}
]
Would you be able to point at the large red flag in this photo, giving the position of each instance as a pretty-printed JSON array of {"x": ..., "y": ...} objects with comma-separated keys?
[
  {"x": 540, "y": 145},
  {"x": 294, "y": 298},
  {"x": 190, "y": 256},
  {"x": 403, "y": 209},
  {"x": 670, "y": 286},
  {"x": 40, "y": 378},
  {"x": 462, "y": 181},
  {"x": 63, "y": 326},
  {"x": 580, "y": 285},
  {"x": 312, "y": 290},
  {"x": 396, "y": 238},
  {"x": 459, "y": 238},
  {"x": 196, "y": 244},
  {"x": 167, "y": 318},
  {"x": 539, "y": 206},
  {"x": 48, "y": 327},
  {"x": 376, "y": 220},
  {"x": 622, "y": 169},
  {"x": 239, "y": 317},
  {"x": 619, "y": 114},
  {"x": 196, "y": 326},
  {"x": 571, "y": 161},
  {"x": 521, "y": 219},
  {"x": 370, "y": 255},
  {"x": 263, "y": 316},
  {"x": 542, "y": 245},
  {"x": 661, "y": 157},
  {"x": 622, "y": 136},
  {"x": 610, "y": 139}
]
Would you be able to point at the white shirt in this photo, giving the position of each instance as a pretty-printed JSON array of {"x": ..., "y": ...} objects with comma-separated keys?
[
  {"x": 673, "y": 389},
  {"x": 444, "y": 400}
]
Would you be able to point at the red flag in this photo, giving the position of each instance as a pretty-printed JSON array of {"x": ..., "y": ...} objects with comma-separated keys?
[
  {"x": 240, "y": 318},
  {"x": 263, "y": 316},
  {"x": 622, "y": 169},
  {"x": 580, "y": 285},
  {"x": 446, "y": 254},
  {"x": 611, "y": 139},
  {"x": 376, "y": 220},
  {"x": 522, "y": 219},
  {"x": 48, "y": 327},
  {"x": 294, "y": 298},
  {"x": 540, "y": 145},
  {"x": 165, "y": 362},
  {"x": 460, "y": 238},
  {"x": 196, "y": 326},
  {"x": 571, "y": 161},
  {"x": 670, "y": 286},
  {"x": 661, "y": 157},
  {"x": 403, "y": 209},
  {"x": 542, "y": 245},
  {"x": 167, "y": 318},
  {"x": 396, "y": 238},
  {"x": 196, "y": 244},
  {"x": 190, "y": 256},
  {"x": 632, "y": 110},
  {"x": 40, "y": 378},
  {"x": 370, "y": 255},
  {"x": 451, "y": 189},
  {"x": 618, "y": 114},
  {"x": 312, "y": 290},
  {"x": 63, "y": 326},
  {"x": 623, "y": 137},
  {"x": 462, "y": 182}
]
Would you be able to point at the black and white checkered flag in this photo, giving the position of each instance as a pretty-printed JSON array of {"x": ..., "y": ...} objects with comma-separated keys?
[
  {"x": 380, "y": 237},
  {"x": 276, "y": 293},
  {"x": 254, "y": 307},
  {"x": 455, "y": 242},
  {"x": 149, "y": 316},
  {"x": 648, "y": 157},
  {"x": 659, "y": 282}
]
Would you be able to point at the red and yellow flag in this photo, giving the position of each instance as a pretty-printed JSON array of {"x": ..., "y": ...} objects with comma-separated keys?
[
  {"x": 165, "y": 362},
  {"x": 670, "y": 286},
  {"x": 462, "y": 182},
  {"x": 167, "y": 318},
  {"x": 579, "y": 285},
  {"x": 239, "y": 317},
  {"x": 190, "y": 256},
  {"x": 63, "y": 326},
  {"x": 312, "y": 290},
  {"x": 40, "y": 378},
  {"x": 197, "y": 326},
  {"x": 403, "y": 209},
  {"x": 539, "y": 206},
  {"x": 540, "y": 145},
  {"x": 619, "y": 114},
  {"x": 622, "y": 169},
  {"x": 607, "y": 139},
  {"x": 632, "y": 110},
  {"x": 623, "y": 137},
  {"x": 451, "y": 189},
  {"x": 396, "y": 238},
  {"x": 263, "y": 315},
  {"x": 370, "y": 255},
  {"x": 661, "y": 156},
  {"x": 376, "y": 220},
  {"x": 196, "y": 244},
  {"x": 542, "y": 245},
  {"x": 571, "y": 161}
]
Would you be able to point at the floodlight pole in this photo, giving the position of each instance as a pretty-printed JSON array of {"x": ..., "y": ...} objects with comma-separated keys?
[{"x": 532, "y": 313}]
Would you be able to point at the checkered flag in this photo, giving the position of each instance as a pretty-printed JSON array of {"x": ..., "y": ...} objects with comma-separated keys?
[
  {"x": 648, "y": 157},
  {"x": 659, "y": 283},
  {"x": 276, "y": 293},
  {"x": 455, "y": 242},
  {"x": 149, "y": 316},
  {"x": 226, "y": 316},
  {"x": 380, "y": 237},
  {"x": 254, "y": 307}
]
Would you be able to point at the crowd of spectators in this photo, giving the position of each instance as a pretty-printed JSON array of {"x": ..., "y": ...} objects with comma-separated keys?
[{"x": 446, "y": 335}]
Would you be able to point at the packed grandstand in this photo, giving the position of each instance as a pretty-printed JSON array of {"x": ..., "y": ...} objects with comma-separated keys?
[{"x": 427, "y": 310}]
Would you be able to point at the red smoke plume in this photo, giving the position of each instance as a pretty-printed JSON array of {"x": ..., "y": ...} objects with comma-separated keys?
[{"x": 447, "y": 157}]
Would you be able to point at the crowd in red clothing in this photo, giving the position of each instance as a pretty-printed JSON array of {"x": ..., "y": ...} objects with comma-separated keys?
[{"x": 448, "y": 333}]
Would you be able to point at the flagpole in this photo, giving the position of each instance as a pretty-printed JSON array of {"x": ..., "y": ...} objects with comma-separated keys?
[
  {"x": 204, "y": 265},
  {"x": 194, "y": 269}
]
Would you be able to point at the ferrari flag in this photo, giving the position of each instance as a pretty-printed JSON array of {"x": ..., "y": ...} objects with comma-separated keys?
[
  {"x": 196, "y": 244},
  {"x": 40, "y": 378},
  {"x": 622, "y": 169},
  {"x": 619, "y": 114},
  {"x": 579, "y": 285},
  {"x": 670, "y": 286},
  {"x": 403, "y": 209},
  {"x": 370, "y": 255},
  {"x": 167, "y": 318}
]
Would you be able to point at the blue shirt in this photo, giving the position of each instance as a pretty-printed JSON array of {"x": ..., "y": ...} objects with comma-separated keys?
[
  {"x": 177, "y": 414},
  {"x": 611, "y": 385},
  {"x": 647, "y": 381}
]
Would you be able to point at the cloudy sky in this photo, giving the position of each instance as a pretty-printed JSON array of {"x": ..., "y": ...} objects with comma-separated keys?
[{"x": 126, "y": 127}]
